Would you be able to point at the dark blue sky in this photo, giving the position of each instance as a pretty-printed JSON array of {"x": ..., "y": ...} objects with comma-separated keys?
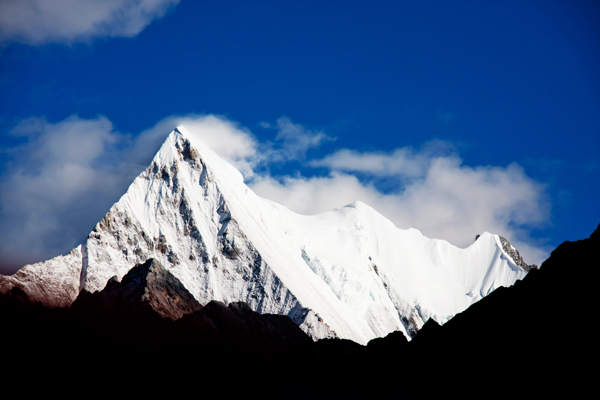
[{"x": 502, "y": 81}]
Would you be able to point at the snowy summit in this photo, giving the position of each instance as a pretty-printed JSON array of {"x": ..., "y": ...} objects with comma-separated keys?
[{"x": 348, "y": 273}]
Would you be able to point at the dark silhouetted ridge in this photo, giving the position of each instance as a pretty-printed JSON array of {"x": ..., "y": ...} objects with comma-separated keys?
[{"x": 530, "y": 340}]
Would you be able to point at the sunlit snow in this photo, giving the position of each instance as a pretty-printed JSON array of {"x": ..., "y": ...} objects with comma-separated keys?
[{"x": 347, "y": 273}]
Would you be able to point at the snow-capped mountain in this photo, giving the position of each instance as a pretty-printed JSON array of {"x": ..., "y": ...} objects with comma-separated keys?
[{"x": 348, "y": 273}]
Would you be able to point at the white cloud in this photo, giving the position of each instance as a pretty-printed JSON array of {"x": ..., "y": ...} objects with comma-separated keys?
[
  {"x": 229, "y": 139},
  {"x": 443, "y": 198},
  {"x": 68, "y": 174},
  {"x": 313, "y": 195},
  {"x": 38, "y": 22},
  {"x": 405, "y": 163},
  {"x": 295, "y": 140},
  {"x": 57, "y": 186}
]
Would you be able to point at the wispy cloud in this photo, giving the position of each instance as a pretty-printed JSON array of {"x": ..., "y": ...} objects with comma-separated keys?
[
  {"x": 66, "y": 176},
  {"x": 37, "y": 22},
  {"x": 296, "y": 139},
  {"x": 405, "y": 163}
]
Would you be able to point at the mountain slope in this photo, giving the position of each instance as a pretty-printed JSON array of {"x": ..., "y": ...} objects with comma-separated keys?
[{"x": 348, "y": 273}]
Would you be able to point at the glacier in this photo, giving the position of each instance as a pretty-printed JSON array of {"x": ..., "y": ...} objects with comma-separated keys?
[{"x": 347, "y": 273}]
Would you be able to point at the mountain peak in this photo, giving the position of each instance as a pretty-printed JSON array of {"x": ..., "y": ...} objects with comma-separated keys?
[{"x": 347, "y": 273}]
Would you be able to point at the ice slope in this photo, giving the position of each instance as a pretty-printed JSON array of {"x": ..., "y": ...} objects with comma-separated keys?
[{"x": 347, "y": 273}]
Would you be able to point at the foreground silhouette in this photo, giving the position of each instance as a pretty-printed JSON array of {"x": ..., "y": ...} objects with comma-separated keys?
[{"x": 530, "y": 339}]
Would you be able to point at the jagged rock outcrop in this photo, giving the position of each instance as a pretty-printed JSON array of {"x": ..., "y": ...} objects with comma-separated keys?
[
  {"x": 146, "y": 288},
  {"x": 514, "y": 254}
]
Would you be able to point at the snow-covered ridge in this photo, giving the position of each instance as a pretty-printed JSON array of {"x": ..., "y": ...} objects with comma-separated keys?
[{"x": 346, "y": 273}]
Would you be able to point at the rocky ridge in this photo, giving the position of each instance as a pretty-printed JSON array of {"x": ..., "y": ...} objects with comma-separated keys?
[{"x": 514, "y": 254}]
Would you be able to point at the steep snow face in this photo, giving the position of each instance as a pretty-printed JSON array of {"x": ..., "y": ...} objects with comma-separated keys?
[{"x": 347, "y": 273}]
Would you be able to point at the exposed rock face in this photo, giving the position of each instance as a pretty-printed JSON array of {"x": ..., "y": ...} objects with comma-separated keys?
[
  {"x": 146, "y": 286},
  {"x": 348, "y": 273},
  {"x": 514, "y": 254}
]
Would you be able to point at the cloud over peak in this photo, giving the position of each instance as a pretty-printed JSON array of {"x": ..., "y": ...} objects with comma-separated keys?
[
  {"x": 296, "y": 140},
  {"x": 429, "y": 189}
]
